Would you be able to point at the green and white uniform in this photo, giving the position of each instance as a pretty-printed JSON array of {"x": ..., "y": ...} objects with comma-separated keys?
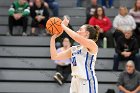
[{"x": 17, "y": 8}]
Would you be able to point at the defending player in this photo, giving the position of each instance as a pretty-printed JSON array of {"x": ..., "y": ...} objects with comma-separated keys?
[{"x": 83, "y": 57}]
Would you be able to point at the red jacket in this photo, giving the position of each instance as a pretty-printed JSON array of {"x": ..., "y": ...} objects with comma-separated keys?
[{"x": 104, "y": 23}]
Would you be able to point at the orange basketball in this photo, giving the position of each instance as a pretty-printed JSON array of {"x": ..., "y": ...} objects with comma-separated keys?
[{"x": 53, "y": 25}]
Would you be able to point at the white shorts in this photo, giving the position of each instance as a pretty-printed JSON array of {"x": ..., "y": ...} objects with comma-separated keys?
[{"x": 84, "y": 86}]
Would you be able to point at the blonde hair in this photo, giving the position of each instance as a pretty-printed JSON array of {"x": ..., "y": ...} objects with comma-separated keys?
[{"x": 125, "y": 8}]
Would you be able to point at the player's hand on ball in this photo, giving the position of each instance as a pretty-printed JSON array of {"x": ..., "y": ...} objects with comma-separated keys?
[
  {"x": 65, "y": 21},
  {"x": 57, "y": 35}
]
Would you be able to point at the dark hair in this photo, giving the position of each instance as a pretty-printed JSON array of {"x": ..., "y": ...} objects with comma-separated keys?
[
  {"x": 63, "y": 40},
  {"x": 125, "y": 8},
  {"x": 42, "y": 2},
  {"x": 135, "y": 6},
  {"x": 96, "y": 14},
  {"x": 110, "y": 91},
  {"x": 93, "y": 32}
]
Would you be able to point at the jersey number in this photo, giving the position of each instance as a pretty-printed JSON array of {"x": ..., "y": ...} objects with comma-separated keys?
[{"x": 74, "y": 61}]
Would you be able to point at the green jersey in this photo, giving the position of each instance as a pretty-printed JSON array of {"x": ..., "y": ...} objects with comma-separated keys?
[{"x": 17, "y": 8}]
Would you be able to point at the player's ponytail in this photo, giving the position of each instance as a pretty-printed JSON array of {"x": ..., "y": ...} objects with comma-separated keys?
[
  {"x": 97, "y": 28},
  {"x": 93, "y": 32}
]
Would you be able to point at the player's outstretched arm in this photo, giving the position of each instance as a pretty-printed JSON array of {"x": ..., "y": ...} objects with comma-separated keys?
[
  {"x": 58, "y": 56},
  {"x": 90, "y": 44}
]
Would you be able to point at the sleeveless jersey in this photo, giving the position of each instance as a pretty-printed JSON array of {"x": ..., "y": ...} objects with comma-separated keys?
[{"x": 83, "y": 62}]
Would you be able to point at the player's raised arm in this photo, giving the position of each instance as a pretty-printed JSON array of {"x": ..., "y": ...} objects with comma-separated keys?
[
  {"x": 87, "y": 39},
  {"x": 58, "y": 56}
]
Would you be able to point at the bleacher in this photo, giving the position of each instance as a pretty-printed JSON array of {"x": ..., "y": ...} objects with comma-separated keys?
[{"x": 25, "y": 64}]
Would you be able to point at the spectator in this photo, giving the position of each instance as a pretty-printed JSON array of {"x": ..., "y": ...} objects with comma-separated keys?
[
  {"x": 126, "y": 49},
  {"x": 90, "y": 10},
  {"x": 121, "y": 21},
  {"x": 18, "y": 13},
  {"x": 39, "y": 14},
  {"x": 63, "y": 66},
  {"x": 129, "y": 80},
  {"x": 105, "y": 24},
  {"x": 53, "y": 5},
  {"x": 135, "y": 12},
  {"x": 107, "y": 5}
]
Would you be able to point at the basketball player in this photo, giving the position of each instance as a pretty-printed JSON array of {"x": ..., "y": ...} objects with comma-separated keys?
[{"x": 83, "y": 57}]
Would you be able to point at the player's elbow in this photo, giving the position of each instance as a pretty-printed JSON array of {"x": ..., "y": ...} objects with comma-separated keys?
[{"x": 53, "y": 58}]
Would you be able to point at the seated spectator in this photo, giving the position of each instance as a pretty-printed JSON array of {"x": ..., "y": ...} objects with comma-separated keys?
[
  {"x": 90, "y": 10},
  {"x": 135, "y": 12},
  {"x": 107, "y": 3},
  {"x": 63, "y": 66},
  {"x": 53, "y": 5},
  {"x": 129, "y": 80},
  {"x": 18, "y": 13},
  {"x": 39, "y": 14},
  {"x": 50, "y": 4},
  {"x": 126, "y": 49},
  {"x": 121, "y": 21},
  {"x": 105, "y": 24}
]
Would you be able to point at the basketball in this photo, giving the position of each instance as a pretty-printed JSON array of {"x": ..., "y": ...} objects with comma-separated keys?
[{"x": 53, "y": 25}]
